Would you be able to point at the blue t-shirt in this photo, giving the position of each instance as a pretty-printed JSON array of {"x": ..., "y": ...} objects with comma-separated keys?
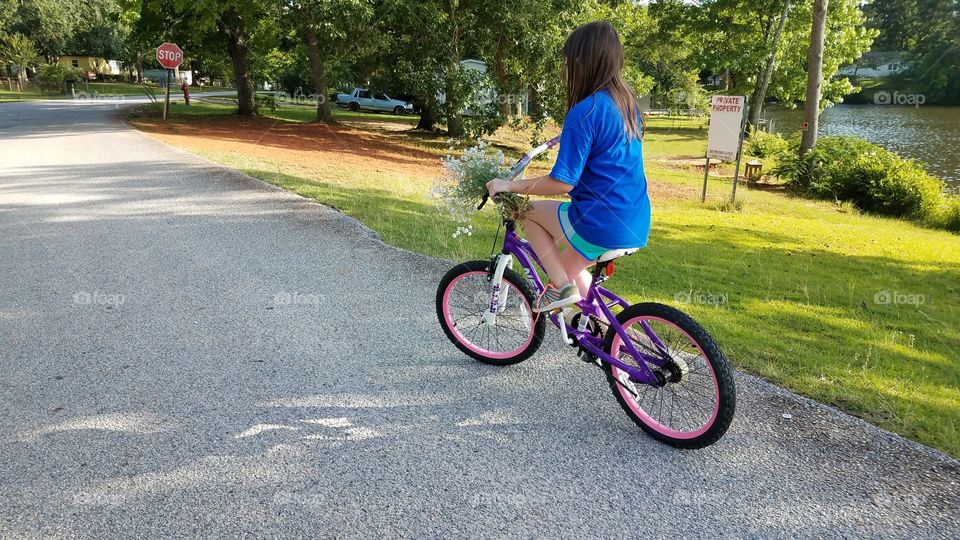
[{"x": 610, "y": 207}]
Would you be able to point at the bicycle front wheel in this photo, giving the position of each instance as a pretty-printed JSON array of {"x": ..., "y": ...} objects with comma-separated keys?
[{"x": 464, "y": 296}]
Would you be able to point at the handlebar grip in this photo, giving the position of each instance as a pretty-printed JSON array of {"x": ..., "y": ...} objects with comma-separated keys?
[{"x": 486, "y": 196}]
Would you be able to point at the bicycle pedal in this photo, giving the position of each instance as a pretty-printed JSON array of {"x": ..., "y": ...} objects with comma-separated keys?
[{"x": 587, "y": 357}]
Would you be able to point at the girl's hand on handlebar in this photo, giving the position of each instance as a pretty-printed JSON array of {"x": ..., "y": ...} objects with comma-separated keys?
[{"x": 498, "y": 185}]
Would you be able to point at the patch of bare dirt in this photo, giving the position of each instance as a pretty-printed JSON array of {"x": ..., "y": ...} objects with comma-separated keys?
[
  {"x": 319, "y": 146},
  {"x": 306, "y": 145}
]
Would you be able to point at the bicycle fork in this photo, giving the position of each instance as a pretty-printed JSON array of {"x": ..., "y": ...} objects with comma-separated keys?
[{"x": 498, "y": 292}]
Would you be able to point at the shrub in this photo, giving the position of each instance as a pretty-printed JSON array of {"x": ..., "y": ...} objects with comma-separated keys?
[
  {"x": 268, "y": 101},
  {"x": 763, "y": 144},
  {"x": 872, "y": 178},
  {"x": 947, "y": 215},
  {"x": 53, "y": 76}
]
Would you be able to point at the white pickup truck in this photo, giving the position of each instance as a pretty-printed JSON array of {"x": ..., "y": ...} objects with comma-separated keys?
[{"x": 364, "y": 99}]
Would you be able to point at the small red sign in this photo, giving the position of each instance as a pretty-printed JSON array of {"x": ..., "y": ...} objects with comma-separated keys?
[
  {"x": 805, "y": 126},
  {"x": 169, "y": 55}
]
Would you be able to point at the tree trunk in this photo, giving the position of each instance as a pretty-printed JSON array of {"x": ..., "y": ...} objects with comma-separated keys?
[
  {"x": 452, "y": 84},
  {"x": 318, "y": 73},
  {"x": 763, "y": 79},
  {"x": 454, "y": 110},
  {"x": 232, "y": 24},
  {"x": 725, "y": 80},
  {"x": 500, "y": 69},
  {"x": 138, "y": 67},
  {"x": 811, "y": 109},
  {"x": 533, "y": 103},
  {"x": 428, "y": 117}
]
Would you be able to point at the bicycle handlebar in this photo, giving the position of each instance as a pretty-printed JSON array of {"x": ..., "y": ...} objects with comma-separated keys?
[
  {"x": 528, "y": 157},
  {"x": 483, "y": 201},
  {"x": 520, "y": 165}
]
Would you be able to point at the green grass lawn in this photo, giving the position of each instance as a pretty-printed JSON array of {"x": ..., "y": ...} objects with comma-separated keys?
[
  {"x": 102, "y": 89},
  {"x": 307, "y": 112},
  {"x": 794, "y": 290}
]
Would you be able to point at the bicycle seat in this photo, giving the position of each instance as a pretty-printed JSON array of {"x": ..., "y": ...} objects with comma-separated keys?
[{"x": 614, "y": 253}]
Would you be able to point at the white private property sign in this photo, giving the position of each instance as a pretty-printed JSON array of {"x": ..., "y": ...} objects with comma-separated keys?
[{"x": 726, "y": 121}]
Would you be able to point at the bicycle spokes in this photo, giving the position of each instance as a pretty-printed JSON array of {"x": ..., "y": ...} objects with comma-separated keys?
[
  {"x": 685, "y": 398},
  {"x": 490, "y": 322}
]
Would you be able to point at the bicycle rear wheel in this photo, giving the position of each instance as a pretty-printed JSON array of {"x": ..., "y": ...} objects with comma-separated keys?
[
  {"x": 464, "y": 296},
  {"x": 695, "y": 404}
]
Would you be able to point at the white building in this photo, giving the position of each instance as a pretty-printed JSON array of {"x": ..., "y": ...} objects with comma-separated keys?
[
  {"x": 487, "y": 95},
  {"x": 877, "y": 65}
]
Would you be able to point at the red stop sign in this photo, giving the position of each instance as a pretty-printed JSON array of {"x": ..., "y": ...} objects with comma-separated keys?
[{"x": 169, "y": 55}]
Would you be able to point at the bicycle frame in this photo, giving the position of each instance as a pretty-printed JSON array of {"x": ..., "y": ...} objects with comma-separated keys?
[{"x": 597, "y": 304}]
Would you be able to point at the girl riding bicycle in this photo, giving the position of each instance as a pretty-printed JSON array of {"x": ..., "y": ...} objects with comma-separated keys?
[{"x": 599, "y": 164}]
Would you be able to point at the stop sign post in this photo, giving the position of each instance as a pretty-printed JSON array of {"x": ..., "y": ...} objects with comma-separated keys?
[{"x": 169, "y": 56}]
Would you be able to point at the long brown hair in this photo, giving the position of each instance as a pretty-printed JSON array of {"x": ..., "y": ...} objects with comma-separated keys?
[{"x": 594, "y": 61}]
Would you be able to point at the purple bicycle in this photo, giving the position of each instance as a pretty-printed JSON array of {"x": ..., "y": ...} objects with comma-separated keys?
[{"x": 664, "y": 369}]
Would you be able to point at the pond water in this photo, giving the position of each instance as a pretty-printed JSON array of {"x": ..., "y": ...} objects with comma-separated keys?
[{"x": 930, "y": 135}]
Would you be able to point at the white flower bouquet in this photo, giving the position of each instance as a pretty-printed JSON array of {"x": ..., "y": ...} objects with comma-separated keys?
[{"x": 463, "y": 184}]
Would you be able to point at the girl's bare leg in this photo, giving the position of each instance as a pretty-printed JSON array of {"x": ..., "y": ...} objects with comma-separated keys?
[
  {"x": 546, "y": 249},
  {"x": 562, "y": 263},
  {"x": 576, "y": 267}
]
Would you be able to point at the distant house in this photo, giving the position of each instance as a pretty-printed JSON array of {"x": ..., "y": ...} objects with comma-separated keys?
[
  {"x": 92, "y": 63},
  {"x": 877, "y": 65},
  {"x": 489, "y": 95}
]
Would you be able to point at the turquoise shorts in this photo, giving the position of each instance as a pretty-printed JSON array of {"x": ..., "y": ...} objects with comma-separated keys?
[{"x": 591, "y": 252}]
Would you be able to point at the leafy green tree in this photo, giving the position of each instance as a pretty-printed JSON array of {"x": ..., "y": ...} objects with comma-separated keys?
[
  {"x": 772, "y": 40},
  {"x": 898, "y": 22},
  {"x": 18, "y": 50},
  {"x": 929, "y": 32},
  {"x": 520, "y": 40},
  {"x": 51, "y": 24},
  {"x": 417, "y": 58},
  {"x": 210, "y": 24},
  {"x": 846, "y": 38},
  {"x": 935, "y": 61},
  {"x": 329, "y": 29}
]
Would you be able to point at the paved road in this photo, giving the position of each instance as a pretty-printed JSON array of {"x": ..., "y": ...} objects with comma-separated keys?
[{"x": 187, "y": 352}]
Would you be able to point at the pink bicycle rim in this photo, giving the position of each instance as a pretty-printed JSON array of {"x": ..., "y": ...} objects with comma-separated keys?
[
  {"x": 466, "y": 342},
  {"x": 649, "y": 420}
]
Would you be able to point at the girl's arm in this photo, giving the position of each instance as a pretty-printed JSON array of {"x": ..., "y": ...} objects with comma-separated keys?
[{"x": 544, "y": 185}]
